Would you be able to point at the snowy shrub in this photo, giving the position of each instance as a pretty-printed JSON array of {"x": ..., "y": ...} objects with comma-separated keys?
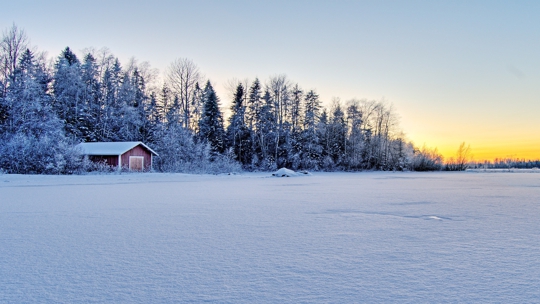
[
  {"x": 427, "y": 160},
  {"x": 178, "y": 152},
  {"x": 223, "y": 163},
  {"x": 328, "y": 164},
  {"x": 23, "y": 154},
  {"x": 267, "y": 165},
  {"x": 99, "y": 167}
]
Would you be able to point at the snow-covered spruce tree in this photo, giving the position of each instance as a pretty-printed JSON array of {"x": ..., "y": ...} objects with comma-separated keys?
[
  {"x": 311, "y": 148},
  {"x": 355, "y": 144},
  {"x": 211, "y": 128},
  {"x": 133, "y": 99},
  {"x": 254, "y": 104},
  {"x": 68, "y": 102},
  {"x": 154, "y": 120},
  {"x": 295, "y": 113},
  {"x": 92, "y": 97},
  {"x": 172, "y": 116},
  {"x": 34, "y": 141},
  {"x": 110, "y": 122},
  {"x": 326, "y": 163},
  {"x": 196, "y": 108},
  {"x": 129, "y": 119},
  {"x": 165, "y": 101},
  {"x": 3, "y": 108},
  {"x": 337, "y": 135},
  {"x": 294, "y": 142},
  {"x": 266, "y": 134},
  {"x": 29, "y": 100},
  {"x": 238, "y": 136}
]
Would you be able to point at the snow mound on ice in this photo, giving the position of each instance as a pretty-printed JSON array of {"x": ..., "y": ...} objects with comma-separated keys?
[{"x": 284, "y": 172}]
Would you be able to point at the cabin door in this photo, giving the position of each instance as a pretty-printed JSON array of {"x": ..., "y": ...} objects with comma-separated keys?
[{"x": 136, "y": 163}]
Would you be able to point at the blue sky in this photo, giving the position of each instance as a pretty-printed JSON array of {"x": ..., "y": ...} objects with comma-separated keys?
[{"x": 454, "y": 70}]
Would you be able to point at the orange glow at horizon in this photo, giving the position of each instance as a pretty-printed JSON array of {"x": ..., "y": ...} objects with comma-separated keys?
[
  {"x": 485, "y": 150},
  {"x": 486, "y": 153},
  {"x": 491, "y": 135}
]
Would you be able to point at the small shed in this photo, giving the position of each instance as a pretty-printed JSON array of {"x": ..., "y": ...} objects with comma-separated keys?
[{"x": 132, "y": 155}]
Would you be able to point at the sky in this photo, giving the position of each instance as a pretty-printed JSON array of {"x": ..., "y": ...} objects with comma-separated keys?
[{"x": 454, "y": 71}]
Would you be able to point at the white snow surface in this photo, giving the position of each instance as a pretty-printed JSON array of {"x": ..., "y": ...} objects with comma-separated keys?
[{"x": 370, "y": 237}]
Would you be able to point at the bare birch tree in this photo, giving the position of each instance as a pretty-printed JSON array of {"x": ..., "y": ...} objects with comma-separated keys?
[
  {"x": 14, "y": 42},
  {"x": 183, "y": 77}
]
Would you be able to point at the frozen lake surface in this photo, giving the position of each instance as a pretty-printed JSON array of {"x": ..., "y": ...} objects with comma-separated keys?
[{"x": 330, "y": 238}]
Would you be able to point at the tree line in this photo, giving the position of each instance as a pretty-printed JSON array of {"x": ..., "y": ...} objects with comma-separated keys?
[{"x": 46, "y": 108}]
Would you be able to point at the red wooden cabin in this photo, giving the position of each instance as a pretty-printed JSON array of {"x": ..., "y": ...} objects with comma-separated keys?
[{"x": 132, "y": 155}]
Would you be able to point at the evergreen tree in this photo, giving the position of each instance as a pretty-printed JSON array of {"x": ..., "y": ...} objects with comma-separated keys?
[
  {"x": 196, "y": 108},
  {"x": 266, "y": 133},
  {"x": 4, "y": 109},
  {"x": 110, "y": 122},
  {"x": 211, "y": 127},
  {"x": 153, "y": 121},
  {"x": 312, "y": 150},
  {"x": 326, "y": 162},
  {"x": 337, "y": 135},
  {"x": 294, "y": 141},
  {"x": 133, "y": 99},
  {"x": 29, "y": 100},
  {"x": 34, "y": 141},
  {"x": 173, "y": 115},
  {"x": 238, "y": 136},
  {"x": 92, "y": 98},
  {"x": 68, "y": 88},
  {"x": 296, "y": 108},
  {"x": 355, "y": 145},
  {"x": 166, "y": 98},
  {"x": 254, "y": 105}
]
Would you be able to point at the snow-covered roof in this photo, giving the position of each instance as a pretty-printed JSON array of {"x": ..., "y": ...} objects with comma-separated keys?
[{"x": 110, "y": 148}]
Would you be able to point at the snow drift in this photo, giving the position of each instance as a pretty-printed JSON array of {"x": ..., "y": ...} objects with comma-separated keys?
[{"x": 284, "y": 172}]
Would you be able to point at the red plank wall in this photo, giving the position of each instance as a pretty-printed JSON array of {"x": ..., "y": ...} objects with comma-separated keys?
[{"x": 137, "y": 151}]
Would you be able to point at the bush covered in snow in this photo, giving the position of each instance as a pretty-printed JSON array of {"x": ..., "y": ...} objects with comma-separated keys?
[
  {"x": 44, "y": 155},
  {"x": 426, "y": 159}
]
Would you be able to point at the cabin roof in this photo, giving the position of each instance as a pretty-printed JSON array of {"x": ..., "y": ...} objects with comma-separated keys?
[{"x": 110, "y": 148}]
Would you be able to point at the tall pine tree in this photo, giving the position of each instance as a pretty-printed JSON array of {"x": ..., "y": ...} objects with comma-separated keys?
[
  {"x": 238, "y": 135},
  {"x": 34, "y": 141},
  {"x": 211, "y": 127},
  {"x": 68, "y": 88},
  {"x": 312, "y": 150}
]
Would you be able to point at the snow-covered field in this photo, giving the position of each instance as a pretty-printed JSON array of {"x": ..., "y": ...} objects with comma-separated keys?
[{"x": 330, "y": 237}]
